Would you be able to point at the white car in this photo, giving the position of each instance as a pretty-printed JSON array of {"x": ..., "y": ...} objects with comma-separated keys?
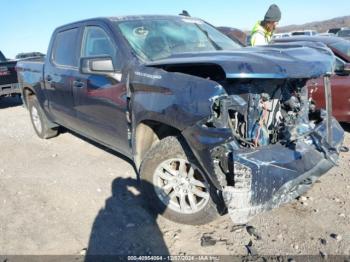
[
  {"x": 304, "y": 32},
  {"x": 280, "y": 35}
]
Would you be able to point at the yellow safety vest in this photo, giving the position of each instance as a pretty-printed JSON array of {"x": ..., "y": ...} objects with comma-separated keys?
[{"x": 257, "y": 31}]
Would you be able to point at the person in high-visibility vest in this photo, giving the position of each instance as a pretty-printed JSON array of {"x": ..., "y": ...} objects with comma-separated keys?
[{"x": 263, "y": 30}]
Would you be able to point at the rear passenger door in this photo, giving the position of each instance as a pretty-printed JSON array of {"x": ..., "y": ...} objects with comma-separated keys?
[
  {"x": 100, "y": 100},
  {"x": 61, "y": 65}
]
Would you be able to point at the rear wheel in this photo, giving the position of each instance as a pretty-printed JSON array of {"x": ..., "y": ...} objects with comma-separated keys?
[
  {"x": 40, "y": 123},
  {"x": 175, "y": 186}
]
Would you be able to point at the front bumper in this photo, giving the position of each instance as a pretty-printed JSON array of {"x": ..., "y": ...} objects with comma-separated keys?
[{"x": 277, "y": 174}]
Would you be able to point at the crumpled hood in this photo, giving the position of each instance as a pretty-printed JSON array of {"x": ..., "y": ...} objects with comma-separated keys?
[{"x": 297, "y": 60}]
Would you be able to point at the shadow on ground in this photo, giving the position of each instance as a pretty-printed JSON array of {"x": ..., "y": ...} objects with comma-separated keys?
[
  {"x": 125, "y": 226},
  {"x": 63, "y": 130},
  {"x": 6, "y": 102}
]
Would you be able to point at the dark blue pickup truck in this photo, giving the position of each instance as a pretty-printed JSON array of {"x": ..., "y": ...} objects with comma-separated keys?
[{"x": 211, "y": 127}]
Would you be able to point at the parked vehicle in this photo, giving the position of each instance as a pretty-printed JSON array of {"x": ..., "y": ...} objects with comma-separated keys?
[
  {"x": 22, "y": 56},
  {"x": 326, "y": 34},
  {"x": 344, "y": 33},
  {"x": 8, "y": 77},
  {"x": 304, "y": 32},
  {"x": 211, "y": 127},
  {"x": 280, "y": 35},
  {"x": 235, "y": 34},
  {"x": 334, "y": 30},
  {"x": 340, "y": 81},
  {"x": 248, "y": 40}
]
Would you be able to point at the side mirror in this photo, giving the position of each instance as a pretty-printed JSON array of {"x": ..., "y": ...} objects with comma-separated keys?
[
  {"x": 96, "y": 65},
  {"x": 346, "y": 69}
]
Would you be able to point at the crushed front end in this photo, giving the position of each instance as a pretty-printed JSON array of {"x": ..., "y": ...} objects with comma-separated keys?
[
  {"x": 264, "y": 143},
  {"x": 256, "y": 133}
]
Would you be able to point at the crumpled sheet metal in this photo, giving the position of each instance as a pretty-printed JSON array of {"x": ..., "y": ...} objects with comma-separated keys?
[{"x": 279, "y": 174}]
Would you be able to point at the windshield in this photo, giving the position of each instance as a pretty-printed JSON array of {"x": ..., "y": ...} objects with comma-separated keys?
[
  {"x": 342, "y": 46},
  {"x": 344, "y": 33},
  {"x": 160, "y": 38}
]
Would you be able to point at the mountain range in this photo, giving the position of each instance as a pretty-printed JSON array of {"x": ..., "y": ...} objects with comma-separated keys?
[{"x": 319, "y": 26}]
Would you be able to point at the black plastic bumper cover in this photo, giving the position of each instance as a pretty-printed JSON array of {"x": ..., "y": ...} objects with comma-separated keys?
[{"x": 278, "y": 174}]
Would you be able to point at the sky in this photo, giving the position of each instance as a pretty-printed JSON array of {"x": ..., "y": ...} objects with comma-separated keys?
[{"x": 27, "y": 25}]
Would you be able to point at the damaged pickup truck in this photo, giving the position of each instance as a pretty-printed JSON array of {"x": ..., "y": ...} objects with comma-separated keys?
[{"x": 211, "y": 127}]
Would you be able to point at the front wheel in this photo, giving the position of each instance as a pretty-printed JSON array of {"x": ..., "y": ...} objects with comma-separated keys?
[{"x": 175, "y": 186}]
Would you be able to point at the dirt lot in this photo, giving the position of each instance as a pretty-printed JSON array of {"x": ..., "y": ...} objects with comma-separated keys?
[{"x": 67, "y": 195}]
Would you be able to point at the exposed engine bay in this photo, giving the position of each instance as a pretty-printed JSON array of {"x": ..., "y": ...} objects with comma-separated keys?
[
  {"x": 263, "y": 112},
  {"x": 258, "y": 111}
]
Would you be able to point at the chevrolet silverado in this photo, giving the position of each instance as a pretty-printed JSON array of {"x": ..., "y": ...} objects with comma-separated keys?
[{"x": 212, "y": 127}]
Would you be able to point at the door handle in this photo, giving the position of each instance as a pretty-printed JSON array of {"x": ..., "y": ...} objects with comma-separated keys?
[
  {"x": 78, "y": 83},
  {"x": 48, "y": 78}
]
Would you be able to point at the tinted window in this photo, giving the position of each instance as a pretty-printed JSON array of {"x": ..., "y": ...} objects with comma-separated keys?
[
  {"x": 64, "y": 49},
  {"x": 96, "y": 42},
  {"x": 339, "y": 65},
  {"x": 342, "y": 47},
  {"x": 334, "y": 30},
  {"x": 344, "y": 33},
  {"x": 298, "y": 33}
]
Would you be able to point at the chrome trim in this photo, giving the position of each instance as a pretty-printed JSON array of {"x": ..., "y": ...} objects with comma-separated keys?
[{"x": 256, "y": 75}]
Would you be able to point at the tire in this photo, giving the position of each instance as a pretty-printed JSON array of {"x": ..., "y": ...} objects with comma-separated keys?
[
  {"x": 39, "y": 121},
  {"x": 164, "y": 190}
]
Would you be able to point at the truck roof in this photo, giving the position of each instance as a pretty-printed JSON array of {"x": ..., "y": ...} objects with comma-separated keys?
[
  {"x": 139, "y": 17},
  {"x": 127, "y": 18}
]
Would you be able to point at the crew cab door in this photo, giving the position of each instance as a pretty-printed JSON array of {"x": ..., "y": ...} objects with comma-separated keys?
[
  {"x": 100, "y": 99},
  {"x": 59, "y": 68}
]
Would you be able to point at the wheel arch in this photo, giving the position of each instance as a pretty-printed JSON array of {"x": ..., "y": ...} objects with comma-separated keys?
[
  {"x": 27, "y": 92},
  {"x": 147, "y": 134}
]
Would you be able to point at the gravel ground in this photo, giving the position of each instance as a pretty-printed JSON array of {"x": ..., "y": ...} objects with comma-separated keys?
[{"x": 67, "y": 195}]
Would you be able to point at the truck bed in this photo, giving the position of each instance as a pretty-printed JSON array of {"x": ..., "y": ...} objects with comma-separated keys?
[{"x": 35, "y": 67}]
